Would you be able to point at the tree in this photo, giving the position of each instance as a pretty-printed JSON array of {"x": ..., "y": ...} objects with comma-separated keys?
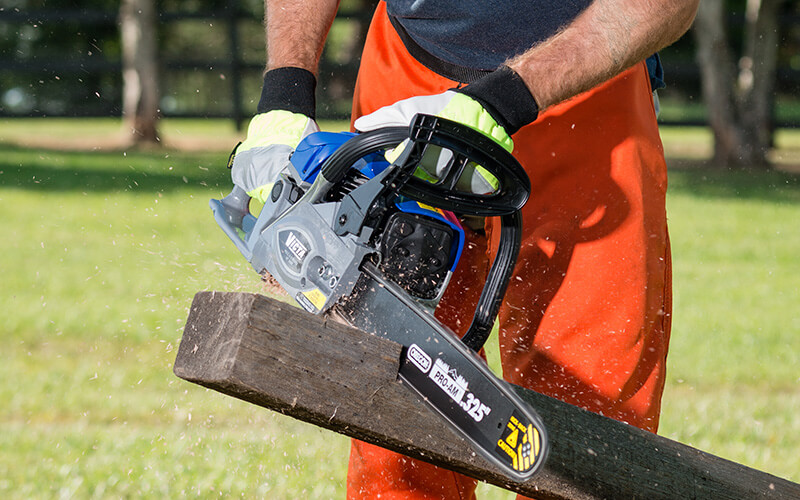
[
  {"x": 739, "y": 96},
  {"x": 140, "y": 70}
]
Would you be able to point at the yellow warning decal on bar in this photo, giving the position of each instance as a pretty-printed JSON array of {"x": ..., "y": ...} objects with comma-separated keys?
[{"x": 521, "y": 443}]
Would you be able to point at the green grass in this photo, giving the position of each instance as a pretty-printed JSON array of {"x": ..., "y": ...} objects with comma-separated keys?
[
  {"x": 103, "y": 251},
  {"x": 734, "y": 365}
]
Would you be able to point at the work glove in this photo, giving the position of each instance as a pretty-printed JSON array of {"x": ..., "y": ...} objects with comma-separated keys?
[
  {"x": 285, "y": 116},
  {"x": 496, "y": 105}
]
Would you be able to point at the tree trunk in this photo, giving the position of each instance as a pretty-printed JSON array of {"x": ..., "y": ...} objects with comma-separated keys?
[
  {"x": 717, "y": 74},
  {"x": 757, "y": 73},
  {"x": 140, "y": 70},
  {"x": 739, "y": 100}
]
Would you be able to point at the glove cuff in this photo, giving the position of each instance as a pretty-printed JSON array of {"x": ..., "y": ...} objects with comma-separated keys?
[
  {"x": 506, "y": 97},
  {"x": 289, "y": 89}
]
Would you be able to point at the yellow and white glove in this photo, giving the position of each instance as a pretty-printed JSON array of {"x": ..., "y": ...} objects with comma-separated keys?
[
  {"x": 496, "y": 105},
  {"x": 452, "y": 105},
  {"x": 285, "y": 117}
]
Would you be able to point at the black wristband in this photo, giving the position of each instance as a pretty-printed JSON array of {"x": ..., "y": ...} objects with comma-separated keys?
[
  {"x": 289, "y": 89},
  {"x": 506, "y": 97}
]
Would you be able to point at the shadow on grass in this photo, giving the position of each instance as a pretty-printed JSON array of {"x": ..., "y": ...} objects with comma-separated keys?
[
  {"x": 161, "y": 171},
  {"x": 701, "y": 179},
  {"x": 80, "y": 171}
]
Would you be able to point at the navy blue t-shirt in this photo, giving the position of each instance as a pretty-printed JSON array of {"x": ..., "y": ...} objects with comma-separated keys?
[{"x": 481, "y": 34}]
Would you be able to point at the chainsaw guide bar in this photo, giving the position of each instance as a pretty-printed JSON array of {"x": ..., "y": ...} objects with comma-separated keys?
[{"x": 453, "y": 380}]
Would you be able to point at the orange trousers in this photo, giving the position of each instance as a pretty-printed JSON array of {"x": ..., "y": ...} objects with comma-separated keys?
[{"x": 586, "y": 317}]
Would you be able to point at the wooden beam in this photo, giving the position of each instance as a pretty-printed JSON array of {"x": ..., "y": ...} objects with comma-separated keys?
[{"x": 340, "y": 378}]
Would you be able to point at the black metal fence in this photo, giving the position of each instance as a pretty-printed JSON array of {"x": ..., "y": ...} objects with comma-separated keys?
[{"x": 66, "y": 62}]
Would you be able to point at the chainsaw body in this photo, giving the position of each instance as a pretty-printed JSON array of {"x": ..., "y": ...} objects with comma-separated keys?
[{"x": 378, "y": 241}]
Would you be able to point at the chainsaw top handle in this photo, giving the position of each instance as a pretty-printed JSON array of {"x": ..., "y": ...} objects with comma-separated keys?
[{"x": 469, "y": 148}]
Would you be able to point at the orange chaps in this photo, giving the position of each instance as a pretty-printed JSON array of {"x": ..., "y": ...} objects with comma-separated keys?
[{"x": 586, "y": 317}]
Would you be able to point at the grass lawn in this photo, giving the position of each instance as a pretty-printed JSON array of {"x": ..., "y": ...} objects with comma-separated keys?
[{"x": 104, "y": 249}]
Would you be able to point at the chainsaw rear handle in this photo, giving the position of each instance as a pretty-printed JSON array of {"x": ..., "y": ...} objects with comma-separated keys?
[{"x": 232, "y": 213}]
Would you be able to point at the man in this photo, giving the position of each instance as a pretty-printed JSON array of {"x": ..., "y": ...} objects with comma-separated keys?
[{"x": 587, "y": 314}]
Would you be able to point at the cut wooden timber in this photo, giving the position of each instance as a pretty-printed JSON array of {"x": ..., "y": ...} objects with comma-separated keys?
[{"x": 328, "y": 374}]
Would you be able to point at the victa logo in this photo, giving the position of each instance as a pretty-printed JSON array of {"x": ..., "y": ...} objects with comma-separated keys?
[
  {"x": 293, "y": 248},
  {"x": 296, "y": 246}
]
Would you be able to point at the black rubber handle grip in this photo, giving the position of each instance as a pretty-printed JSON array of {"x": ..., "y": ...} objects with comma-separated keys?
[{"x": 496, "y": 282}]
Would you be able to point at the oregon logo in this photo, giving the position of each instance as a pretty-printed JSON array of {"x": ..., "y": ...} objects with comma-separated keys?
[{"x": 419, "y": 357}]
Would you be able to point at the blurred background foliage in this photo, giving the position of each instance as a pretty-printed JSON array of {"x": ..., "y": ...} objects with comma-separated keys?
[{"x": 62, "y": 58}]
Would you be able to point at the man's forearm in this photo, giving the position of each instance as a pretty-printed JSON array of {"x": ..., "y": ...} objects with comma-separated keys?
[
  {"x": 607, "y": 38},
  {"x": 296, "y": 31}
]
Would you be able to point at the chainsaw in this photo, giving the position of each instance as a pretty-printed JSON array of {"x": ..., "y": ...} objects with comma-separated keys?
[{"x": 375, "y": 242}]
